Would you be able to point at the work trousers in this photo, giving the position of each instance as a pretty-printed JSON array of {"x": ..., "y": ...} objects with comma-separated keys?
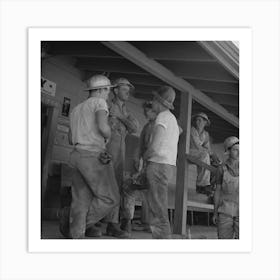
[
  {"x": 228, "y": 227},
  {"x": 203, "y": 175},
  {"x": 158, "y": 176},
  {"x": 94, "y": 191},
  {"x": 129, "y": 201}
]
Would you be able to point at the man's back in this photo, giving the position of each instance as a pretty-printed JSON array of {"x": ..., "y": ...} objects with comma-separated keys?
[
  {"x": 166, "y": 152},
  {"x": 85, "y": 133}
]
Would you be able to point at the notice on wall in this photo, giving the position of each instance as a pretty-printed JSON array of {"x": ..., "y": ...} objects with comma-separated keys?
[
  {"x": 66, "y": 106},
  {"x": 48, "y": 87}
]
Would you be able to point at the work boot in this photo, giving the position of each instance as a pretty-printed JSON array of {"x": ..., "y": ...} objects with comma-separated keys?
[
  {"x": 93, "y": 231},
  {"x": 126, "y": 225},
  {"x": 147, "y": 228},
  {"x": 64, "y": 226},
  {"x": 114, "y": 230}
]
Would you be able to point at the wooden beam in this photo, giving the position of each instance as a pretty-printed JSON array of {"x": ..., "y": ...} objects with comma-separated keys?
[
  {"x": 201, "y": 70},
  {"x": 181, "y": 194},
  {"x": 173, "y": 50},
  {"x": 226, "y": 53},
  {"x": 224, "y": 99},
  {"x": 215, "y": 87},
  {"x": 108, "y": 65},
  {"x": 133, "y": 54},
  {"x": 89, "y": 49}
]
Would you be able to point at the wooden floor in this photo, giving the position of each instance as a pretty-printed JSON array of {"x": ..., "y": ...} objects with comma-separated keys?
[{"x": 50, "y": 230}]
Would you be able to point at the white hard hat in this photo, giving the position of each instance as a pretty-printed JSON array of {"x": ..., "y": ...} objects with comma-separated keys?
[
  {"x": 230, "y": 141},
  {"x": 123, "y": 81},
  {"x": 98, "y": 81},
  {"x": 202, "y": 115}
]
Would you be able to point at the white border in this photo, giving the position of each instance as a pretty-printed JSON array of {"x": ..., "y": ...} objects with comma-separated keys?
[{"x": 243, "y": 35}]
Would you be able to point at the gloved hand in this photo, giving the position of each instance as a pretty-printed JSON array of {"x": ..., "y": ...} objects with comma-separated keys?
[{"x": 105, "y": 157}]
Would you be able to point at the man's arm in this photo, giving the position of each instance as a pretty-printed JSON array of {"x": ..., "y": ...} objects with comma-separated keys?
[
  {"x": 102, "y": 123},
  {"x": 130, "y": 123},
  {"x": 217, "y": 194},
  {"x": 196, "y": 141},
  {"x": 158, "y": 135}
]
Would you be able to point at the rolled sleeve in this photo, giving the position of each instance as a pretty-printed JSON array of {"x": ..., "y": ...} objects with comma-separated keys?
[{"x": 100, "y": 105}]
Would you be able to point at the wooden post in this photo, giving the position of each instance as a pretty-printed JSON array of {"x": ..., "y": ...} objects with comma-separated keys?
[
  {"x": 181, "y": 195},
  {"x": 55, "y": 106}
]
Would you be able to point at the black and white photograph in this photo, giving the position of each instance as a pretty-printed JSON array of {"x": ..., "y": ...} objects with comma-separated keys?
[
  {"x": 139, "y": 139},
  {"x": 150, "y": 148}
]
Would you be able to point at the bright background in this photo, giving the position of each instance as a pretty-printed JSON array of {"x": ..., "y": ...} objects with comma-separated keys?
[{"x": 262, "y": 17}]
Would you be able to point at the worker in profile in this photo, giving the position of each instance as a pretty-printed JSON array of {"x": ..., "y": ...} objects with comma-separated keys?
[
  {"x": 226, "y": 196},
  {"x": 121, "y": 123}
]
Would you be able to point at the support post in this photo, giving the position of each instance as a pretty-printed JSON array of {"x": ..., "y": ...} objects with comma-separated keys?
[{"x": 181, "y": 194}]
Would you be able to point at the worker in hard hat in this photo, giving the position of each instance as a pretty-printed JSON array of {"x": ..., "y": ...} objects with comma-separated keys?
[
  {"x": 200, "y": 148},
  {"x": 161, "y": 156},
  {"x": 94, "y": 185},
  {"x": 139, "y": 165},
  {"x": 121, "y": 123},
  {"x": 226, "y": 196}
]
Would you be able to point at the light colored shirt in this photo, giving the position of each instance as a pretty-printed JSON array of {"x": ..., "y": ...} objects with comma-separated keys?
[
  {"x": 198, "y": 141},
  {"x": 166, "y": 151},
  {"x": 228, "y": 178},
  {"x": 85, "y": 132},
  {"x": 118, "y": 127}
]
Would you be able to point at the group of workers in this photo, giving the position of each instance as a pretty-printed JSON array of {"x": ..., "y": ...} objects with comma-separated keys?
[{"x": 98, "y": 129}]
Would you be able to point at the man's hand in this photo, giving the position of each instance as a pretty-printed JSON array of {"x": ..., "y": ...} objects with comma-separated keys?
[
  {"x": 136, "y": 164},
  {"x": 215, "y": 218},
  {"x": 114, "y": 112},
  {"x": 215, "y": 159}
]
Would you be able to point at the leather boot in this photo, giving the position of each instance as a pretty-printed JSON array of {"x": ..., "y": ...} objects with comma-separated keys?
[
  {"x": 64, "y": 226},
  {"x": 126, "y": 225},
  {"x": 93, "y": 231},
  {"x": 114, "y": 230}
]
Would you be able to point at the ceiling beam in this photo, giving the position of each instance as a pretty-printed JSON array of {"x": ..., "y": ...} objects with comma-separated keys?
[
  {"x": 215, "y": 86},
  {"x": 109, "y": 65},
  {"x": 173, "y": 50},
  {"x": 225, "y": 52},
  {"x": 80, "y": 49},
  {"x": 198, "y": 70},
  {"x": 139, "y": 58},
  {"x": 224, "y": 99}
]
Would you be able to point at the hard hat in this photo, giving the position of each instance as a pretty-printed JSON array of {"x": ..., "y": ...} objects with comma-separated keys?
[
  {"x": 98, "y": 81},
  {"x": 166, "y": 96},
  {"x": 123, "y": 81},
  {"x": 230, "y": 142},
  {"x": 202, "y": 115}
]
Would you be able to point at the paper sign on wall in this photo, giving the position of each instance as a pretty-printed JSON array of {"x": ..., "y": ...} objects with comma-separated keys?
[{"x": 48, "y": 87}]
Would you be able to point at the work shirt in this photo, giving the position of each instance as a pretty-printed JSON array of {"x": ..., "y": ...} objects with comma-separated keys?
[
  {"x": 117, "y": 126},
  {"x": 84, "y": 129},
  {"x": 199, "y": 141},
  {"x": 228, "y": 178},
  {"x": 146, "y": 137},
  {"x": 166, "y": 151}
]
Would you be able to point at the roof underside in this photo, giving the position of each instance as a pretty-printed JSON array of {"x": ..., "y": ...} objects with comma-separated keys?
[{"x": 188, "y": 60}]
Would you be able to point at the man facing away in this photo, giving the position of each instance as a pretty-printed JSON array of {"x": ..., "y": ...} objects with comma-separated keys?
[
  {"x": 161, "y": 158},
  {"x": 94, "y": 186}
]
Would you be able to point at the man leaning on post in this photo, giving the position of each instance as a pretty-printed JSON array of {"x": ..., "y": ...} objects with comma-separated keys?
[{"x": 94, "y": 185}]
